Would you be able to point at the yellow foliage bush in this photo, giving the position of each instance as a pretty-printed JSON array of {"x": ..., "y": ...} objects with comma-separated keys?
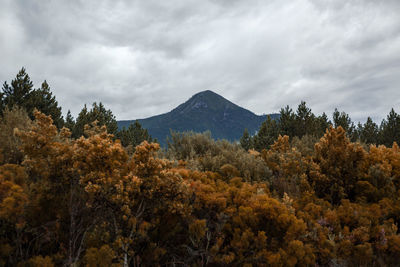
[{"x": 87, "y": 201}]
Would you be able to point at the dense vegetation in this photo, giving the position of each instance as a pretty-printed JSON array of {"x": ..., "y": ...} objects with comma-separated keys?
[
  {"x": 305, "y": 123},
  {"x": 89, "y": 199}
]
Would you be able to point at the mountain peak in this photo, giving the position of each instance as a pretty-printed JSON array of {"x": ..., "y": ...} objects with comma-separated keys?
[
  {"x": 205, "y": 110},
  {"x": 206, "y": 93},
  {"x": 206, "y": 100}
]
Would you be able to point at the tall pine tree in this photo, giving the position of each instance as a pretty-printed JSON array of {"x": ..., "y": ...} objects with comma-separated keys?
[
  {"x": 45, "y": 102},
  {"x": 287, "y": 122},
  {"x": 267, "y": 134},
  {"x": 97, "y": 113},
  {"x": 19, "y": 93},
  {"x": 323, "y": 123},
  {"x": 368, "y": 132},
  {"x": 245, "y": 140},
  {"x": 69, "y": 121},
  {"x": 305, "y": 120},
  {"x": 343, "y": 120},
  {"x": 390, "y": 129}
]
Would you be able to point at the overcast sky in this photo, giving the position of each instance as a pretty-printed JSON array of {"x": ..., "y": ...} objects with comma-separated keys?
[{"x": 142, "y": 58}]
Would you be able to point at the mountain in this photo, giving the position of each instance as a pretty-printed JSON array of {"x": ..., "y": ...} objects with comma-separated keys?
[{"x": 203, "y": 111}]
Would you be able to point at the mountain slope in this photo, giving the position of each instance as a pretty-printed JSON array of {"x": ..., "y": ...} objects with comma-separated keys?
[{"x": 203, "y": 111}]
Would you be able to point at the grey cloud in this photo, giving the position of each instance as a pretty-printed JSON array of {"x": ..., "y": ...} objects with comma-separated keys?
[{"x": 142, "y": 58}]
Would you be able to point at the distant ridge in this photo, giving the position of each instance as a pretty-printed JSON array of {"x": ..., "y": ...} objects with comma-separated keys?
[{"x": 204, "y": 111}]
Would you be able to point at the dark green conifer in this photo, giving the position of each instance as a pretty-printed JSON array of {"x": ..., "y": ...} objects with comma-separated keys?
[
  {"x": 287, "y": 122},
  {"x": 97, "y": 113},
  {"x": 19, "y": 93},
  {"x": 69, "y": 121},
  {"x": 343, "y": 119},
  {"x": 133, "y": 135},
  {"x": 267, "y": 134},
  {"x": 323, "y": 123},
  {"x": 390, "y": 129},
  {"x": 245, "y": 140},
  {"x": 22, "y": 94},
  {"x": 305, "y": 120},
  {"x": 45, "y": 102},
  {"x": 369, "y": 132}
]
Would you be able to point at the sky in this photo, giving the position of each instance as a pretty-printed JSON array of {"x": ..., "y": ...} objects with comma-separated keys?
[{"x": 143, "y": 58}]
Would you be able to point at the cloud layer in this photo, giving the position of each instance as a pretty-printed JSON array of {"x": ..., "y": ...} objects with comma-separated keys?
[{"x": 142, "y": 58}]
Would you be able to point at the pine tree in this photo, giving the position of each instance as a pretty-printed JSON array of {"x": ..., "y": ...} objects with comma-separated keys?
[
  {"x": 97, "y": 113},
  {"x": 134, "y": 135},
  {"x": 343, "y": 119},
  {"x": 69, "y": 121},
  {"x": 368, "y": 132},
  {"x": 267, "y": 134},
  {"x": 45, "y": 102},
  {"x": 304, "y": 120},
  {"x": 80, "y": 122},
  {"x": 22, "y": 94},
  {"x": 323, "y": 124},
  {"x": 245, "y": 140},
  {"x": 287, "y": 122},
  {"x": 390, "y": 129},
  {"x": 19, "y": 93}
]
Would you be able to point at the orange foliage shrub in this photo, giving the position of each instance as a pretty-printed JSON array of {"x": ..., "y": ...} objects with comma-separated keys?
[
  {"x": 340, "y": 165},
  {"x": 86, "y": 201}
]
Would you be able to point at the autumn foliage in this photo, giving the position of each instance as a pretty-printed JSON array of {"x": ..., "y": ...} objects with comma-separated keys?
[{"x": 88, "y": 202}]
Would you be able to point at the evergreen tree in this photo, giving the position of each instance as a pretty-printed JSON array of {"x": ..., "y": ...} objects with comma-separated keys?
[
  {"x": 304, "y": 120},
  {"x": 97, "y": 113},
  {"x": 368, "y": 132},
  {"x": 343, "y": 119},
  {"x": 287, "y": 122},
  {"x": 80, "y": 122},
  {"x": 22, "y": 94},
  {"x": 134, "y": 135},
  {"x": 19, "y": 93},
  {"x": 267, "y": 134},
  {"x": 245, "y": 140},
  {"x": 390, "y": 129},
  {"x": 69, "y": 121},
  {"x": 46, "y": 103},
  {"x": 323, "y": 124}
]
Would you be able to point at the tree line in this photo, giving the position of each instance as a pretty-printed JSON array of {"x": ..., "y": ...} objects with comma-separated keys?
[
  {"x": 305, "y": 122},
  {"x": 89, "y": 200},
  {"x": 21, "y": 93}
]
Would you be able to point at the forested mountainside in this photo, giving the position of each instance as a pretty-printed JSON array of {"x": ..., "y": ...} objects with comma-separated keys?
[
  {"x": 303, "y": 191},
  {"x": 205, "y": 111}
]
